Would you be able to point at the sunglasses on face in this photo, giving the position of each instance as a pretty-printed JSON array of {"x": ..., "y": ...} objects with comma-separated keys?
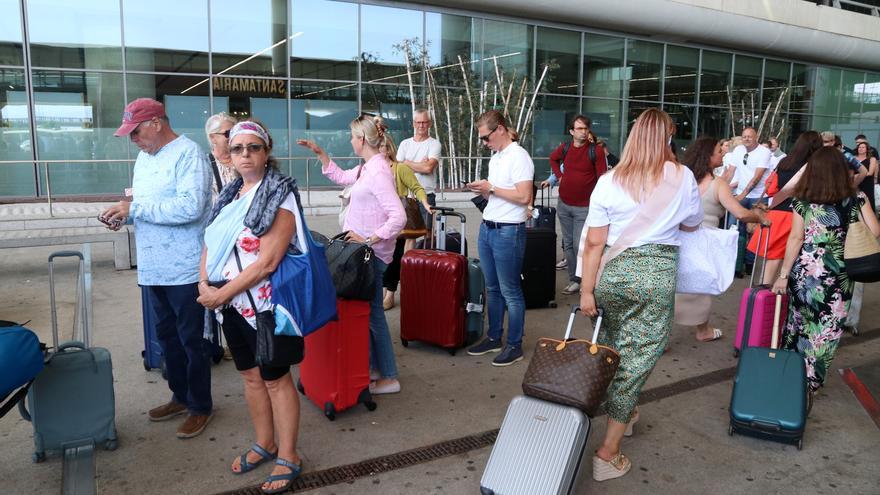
[
  {"x": 485, "y": 138},
  {"x": 224, "y": 133},
  {"x": 252, "y": 148}
]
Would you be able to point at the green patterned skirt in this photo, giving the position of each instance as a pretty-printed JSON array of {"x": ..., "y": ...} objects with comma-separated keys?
[{"x": 637, "y": 293}]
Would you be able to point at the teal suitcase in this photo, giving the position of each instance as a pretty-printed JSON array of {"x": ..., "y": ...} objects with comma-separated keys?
[
  {"x": 769, "y": 397},
  {"x": 71, "y": 402}
]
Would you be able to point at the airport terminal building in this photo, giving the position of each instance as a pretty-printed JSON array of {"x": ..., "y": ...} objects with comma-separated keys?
[{"x": 307, "y": 67}]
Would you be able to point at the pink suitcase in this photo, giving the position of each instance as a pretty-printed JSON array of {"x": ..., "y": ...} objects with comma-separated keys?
[{"x": 756, "y": 308}]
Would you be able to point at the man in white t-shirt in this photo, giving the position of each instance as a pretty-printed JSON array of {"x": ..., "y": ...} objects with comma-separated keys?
[
  {"x": 421, "y": 153},
  {"x": 753, "y": 165},
  {"x": 502, "y": 240}
]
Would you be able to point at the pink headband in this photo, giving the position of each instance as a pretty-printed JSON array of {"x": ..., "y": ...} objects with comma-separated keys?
[{"x": 251, "y": 128}]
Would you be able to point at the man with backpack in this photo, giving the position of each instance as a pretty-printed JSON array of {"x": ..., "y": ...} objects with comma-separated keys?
[{"x": 585, "y": 162}]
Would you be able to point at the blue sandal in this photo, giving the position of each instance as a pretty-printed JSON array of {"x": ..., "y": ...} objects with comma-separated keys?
[
  {"x": 245, "y": 466},
  {"x": 288, "y": 477}
]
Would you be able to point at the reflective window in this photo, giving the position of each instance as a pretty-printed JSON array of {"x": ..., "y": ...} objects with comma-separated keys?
[
  {"x": 16, "y": 179},
  {"x": 797, "y": 125},
  {"x": 871, "y": 97},
  {"x": 322, "y": 112},
  {"x": 643, "y": 61},
  {"x": 157, "y": 41},
  {"x": 82, "y": 34},
  {"x": 801, "y": 94},
  {"x": 715, "y": 122},
  {"x": 551, "y": 127},
  {"x": 186, "y": 101},
  {"x": 680, "y": 80},
  {"x": 449, "y": 37},
  {"x": 746, "y": 92},
  {"x": 10, "y": 33},
  {"x": 261, "y": 99},
  {"x": 851, "y": 98},
  {"x": 826, "y": 91},
  {"x": 508, "y": 44},
  {"x": 826, "y": 123},
  {"x": 603, "y": 66},
  {"x": 605, "y": 115},
  {"x": 323, "y": 43},
  {"x": 775, "y": 83},
  {"x": 253, "y": 44},
  {"x": 386, "y": 34},
  {"x": 715, "y": 78},
  {"x": 394, "y": 104},
  {"x": 76, "y": 114},
  {"x": 633, "y": 110},
  {"x": 561, "y": 50},
  {"x": 684, "y": 117}
]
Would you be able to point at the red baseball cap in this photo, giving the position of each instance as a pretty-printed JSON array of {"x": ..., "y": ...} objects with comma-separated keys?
[{"x": 140, "y": 110}]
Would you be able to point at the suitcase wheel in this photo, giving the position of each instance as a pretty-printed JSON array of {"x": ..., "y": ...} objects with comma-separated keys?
[
  {"x": 111, "y": 444},
  {"x": 800, "y": 444},
  {"x": 730, "y": 430},
  {"x": 146, "y": 366},
  {"x": 552, "y": 304},
  {"x": 370, "y": 405},
  {"x": 404, "y": 342},
  {"x": 735, "y": 352},
  {"x": 366, "y": 399},
  {"x": 299, "y": 386},
  {"x": 452, "y": 351},
  {"x": 330, "y": 411},
  {"x": 38, "y": 457}
]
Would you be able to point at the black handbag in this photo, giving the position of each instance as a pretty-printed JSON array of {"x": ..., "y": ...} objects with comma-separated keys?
[
  {"x": 273, "y": 351},
  {"x": 352, "y": 268}
]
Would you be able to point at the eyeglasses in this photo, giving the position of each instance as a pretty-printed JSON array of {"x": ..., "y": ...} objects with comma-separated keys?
[
  {"x": 485, "y": 138},
  {"x": 746, "y": 159},
  {"x": 422, "y": 122},
  {"x": 252, "y": 148},
  {"x": 224, "y": 133}
]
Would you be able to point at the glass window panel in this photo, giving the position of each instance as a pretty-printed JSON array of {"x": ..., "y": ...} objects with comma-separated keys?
[
  {"x": 394, "y": 104},
  {"x": 158, "y": 41},
  {"x": 551, "y": 127},
  {"x": 825, "y": 89},
  {"x": 328, "y": 46},
  {"x": 82, "y": 34},
  {"x": 871, "y": 96},
  {"x": 76, "y": 114},
  {"x": 511, "y": 43},
  {"x": 16, "y": 179},
  {"x": 186, "y": 101},
  {"x": 254, "y": 44},
  {"x": 448, "y": 37},
  {"x": 603, "y": 66},
  {"x": 385, "y": 31},
  {"x": 643, "y": 61},
  {"x": 747, "y": 74},
  {"x": 775, "y": 84},
  {"x": 10, "y": 33},
  {"x": 801, "y": 94},
  {"x": 851, "y": 98},
  {"x": 796, "y": 125},
  {"x": 261, "y": 99},
  {"x": 633, "y": 110},
  {"x": 560, "y": 49},
  {"x": 605, "y": 115},
  {"x": 714, "y": 122},
  {"x": 871, "y": 130},
  {"x": 680, "y": 80},
  {"x": 715, "y": 78},
  {"x": 685, "y": 124},
  {"x": 322, "y": 112},
  {"x": 824, "y": 123}
]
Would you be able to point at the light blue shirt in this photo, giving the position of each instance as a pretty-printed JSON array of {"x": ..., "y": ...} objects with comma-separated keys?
[{"x": 170, "y": 207}]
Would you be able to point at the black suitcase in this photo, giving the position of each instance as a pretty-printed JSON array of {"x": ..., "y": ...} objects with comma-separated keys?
[
  {"x": 539, "y": 268},
  {"x": 544, "y": 215}
]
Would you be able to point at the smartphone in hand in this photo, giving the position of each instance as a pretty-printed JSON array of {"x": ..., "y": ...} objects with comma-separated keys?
[{"x": 113, "y": 224}]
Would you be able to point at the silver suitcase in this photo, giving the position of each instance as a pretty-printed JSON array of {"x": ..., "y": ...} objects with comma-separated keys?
[{"x": 539, "y": 450}]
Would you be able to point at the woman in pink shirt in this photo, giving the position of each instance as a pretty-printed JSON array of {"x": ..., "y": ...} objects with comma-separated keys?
[{"x": 375, "y": 217}]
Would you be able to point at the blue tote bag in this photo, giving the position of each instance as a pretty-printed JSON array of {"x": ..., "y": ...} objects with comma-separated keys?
[{"x": 302, "y": 287}]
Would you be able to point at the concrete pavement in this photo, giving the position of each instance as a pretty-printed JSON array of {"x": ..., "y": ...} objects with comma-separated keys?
[{"x": 681, "y": 445}]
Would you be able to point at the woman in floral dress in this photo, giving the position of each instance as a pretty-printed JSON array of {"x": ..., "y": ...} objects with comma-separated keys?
[{"x": 813, "y": 271}]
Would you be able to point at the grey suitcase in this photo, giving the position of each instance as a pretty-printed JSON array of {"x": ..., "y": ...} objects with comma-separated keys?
[
  {"x": 539, "y": 450},
  {"x": 71, "y": 402},
  {"x": 476, "y": 301}
]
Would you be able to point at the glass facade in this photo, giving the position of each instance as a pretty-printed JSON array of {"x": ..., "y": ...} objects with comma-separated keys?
[{"x": 307, "y": 67}]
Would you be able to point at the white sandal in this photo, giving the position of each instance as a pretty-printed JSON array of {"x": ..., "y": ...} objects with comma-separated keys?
[
  {"x": 629, "y": 426},
  {"x": 604, "y": 470}
]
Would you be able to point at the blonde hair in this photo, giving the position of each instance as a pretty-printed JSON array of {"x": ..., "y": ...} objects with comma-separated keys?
[
  {"x": 645, "y": 153},
  {"x": 494, "y": 118},
  {"x": 372, "y": 128},
  {"x": 387, "y": 147}
]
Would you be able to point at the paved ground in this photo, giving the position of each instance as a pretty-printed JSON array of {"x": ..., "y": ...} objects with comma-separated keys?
[{"x": 681, "y": 445}]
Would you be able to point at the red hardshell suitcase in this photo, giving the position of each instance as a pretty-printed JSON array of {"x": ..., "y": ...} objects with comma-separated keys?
[
  {"x": 433, "y": 290},
  {"x": 335, "y": 373},
  {"x": 759, "y": 302}
]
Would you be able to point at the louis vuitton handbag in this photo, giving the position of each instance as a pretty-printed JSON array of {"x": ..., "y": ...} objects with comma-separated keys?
[
  {"x": 415, "y": 223},
  {"x": 572, "y": 372}
]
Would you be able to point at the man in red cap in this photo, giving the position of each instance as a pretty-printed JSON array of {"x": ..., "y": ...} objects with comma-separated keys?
[{"x": 170, "y": 205}]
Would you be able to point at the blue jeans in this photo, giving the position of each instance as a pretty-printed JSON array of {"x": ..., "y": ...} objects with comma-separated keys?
[
  {"x": 180, "y": 324},
  {"x": 501, "y": 257},
  {"x": 381, "y": 350}
]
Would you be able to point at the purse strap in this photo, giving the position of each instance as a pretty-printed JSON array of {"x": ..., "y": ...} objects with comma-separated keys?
[{"x": 240, "y": 269}]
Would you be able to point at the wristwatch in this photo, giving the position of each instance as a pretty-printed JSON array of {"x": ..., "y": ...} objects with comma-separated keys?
[
  {"x": 783, "y": 276},
  {"x": 491, "y": 189}
]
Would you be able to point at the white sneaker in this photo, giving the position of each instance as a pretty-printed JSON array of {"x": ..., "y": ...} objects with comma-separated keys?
[
  {"x": 571, "y": 288},
  {"x": 562, "y": 265}
]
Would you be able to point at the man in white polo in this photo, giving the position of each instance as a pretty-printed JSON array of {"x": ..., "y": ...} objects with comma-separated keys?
[
  {"x": 421, "y": 153},
  {"x": 753, "y": 165}
]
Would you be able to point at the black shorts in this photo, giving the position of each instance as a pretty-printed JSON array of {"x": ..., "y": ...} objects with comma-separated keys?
[{"x": 241, "y": 338}]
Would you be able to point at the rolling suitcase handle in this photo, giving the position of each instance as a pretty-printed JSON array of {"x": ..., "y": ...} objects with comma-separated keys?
[
  {"x": 774, "y": 339},
  {"x": 80, "y": 311},
  {"x": 438, "y": 227},
  {"x": 574, "y": 310},
  {"x": 766, "y": 250}
]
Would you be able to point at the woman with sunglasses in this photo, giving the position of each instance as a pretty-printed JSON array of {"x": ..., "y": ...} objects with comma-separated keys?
[
  {"x": 375, "y": 217},
  {"x": 217, "y": 129},
  {"x": 502, "y": 240},
  {"x": 252, "y": 226}
]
